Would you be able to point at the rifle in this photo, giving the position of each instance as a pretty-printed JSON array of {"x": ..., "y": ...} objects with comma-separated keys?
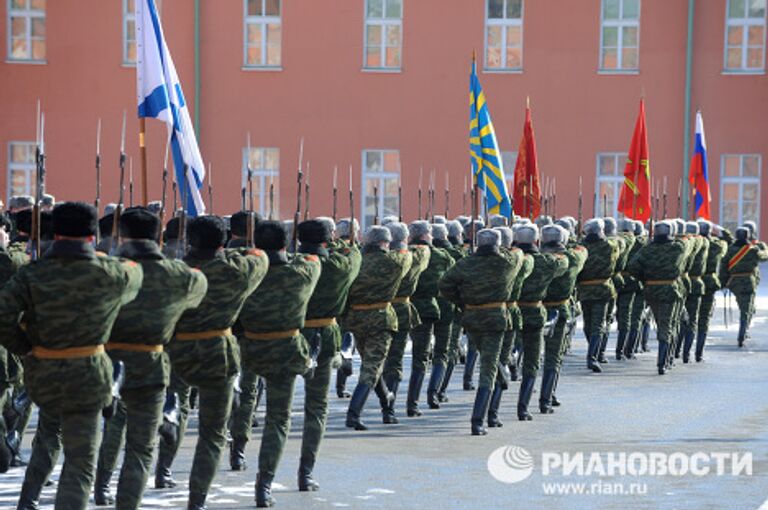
[
  {"x": 447, "y": 195},
  {"x": 664, "y": 200},
  {"x": 351, "y": 210},
  {"x": 306, "y": 194},
  {"x": 175, "y": 197},
  {"x": 554, "y": 196},
  {"x": 97, "y": 202},
  {"x": 375, "y": 204},
  {"x": 464, "y": 198},
  {"x": 679, "y": 203},
  {"x": 119, "y": 208},
  {"x": 335, "y": 191},
  {"x": 421, "y": 174},
  {"x": 579, "y": 221},
  {"x": 243, "y": 202},
  {"x": 162, "y": 196},
  {"x": 605, "y": 204},
  {"x": 271, "y": 196},
  {"x": 130, "y": 182},
  {"x": 210, "y": 187},
  {"x": 594, "y": 205},
  {"x": 181, "y": 247},
  {"x": 431, "y": 197},
  {"x": 39, "y": 183},
  {"x": 248, "y": 206},
  {"x": 297, "y": 216},
  {"x": 399, "y": 200}
]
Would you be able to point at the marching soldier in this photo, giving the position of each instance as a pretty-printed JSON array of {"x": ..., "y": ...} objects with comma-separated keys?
[
  {"x": 471, "y": 228},
  {"x": 618, "y": 281},
  {"x": 697, "y": 287},
  {"x": 712, "y": 283},
  {"x": 625, "y": 288},
  {"x": 631, "y": 284},
  {"x": 343, "y": 232},
  {"x": 67, "y": 348}
]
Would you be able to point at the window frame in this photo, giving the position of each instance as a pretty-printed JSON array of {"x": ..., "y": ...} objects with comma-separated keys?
[
  {"x": 128, "y": 16},
  {"x": 740, "y": 180},
  {"x": 617, "y": 180},
  {"x": 380, "y": 177},
  {"x": 264, "y": 21},
  {"x": 28, "y": 14},
  {"x": 504, "y": 23},
  {"x": 620, "y": 24},
  {"x": 27, "y": 167},
  {"x": 383, "y": 22},
  {"x": 263, "y": 175},
  {"x": 745, "y": 23}
]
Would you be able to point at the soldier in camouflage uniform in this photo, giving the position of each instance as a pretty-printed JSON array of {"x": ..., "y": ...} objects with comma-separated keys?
[
  {"x": 481, "y": 285},
  {"x": 554, "y": 239},
  {"x": 456, "y": 251},
  {"x": 272, "y": 345},
  {"x": 471, "y": 228},
  {"x": 140, "y": 331},
  {"x": 610, "y": 229},
  {"x": 740, "y": 273},
  {"x": 203, "y": 351},
  {"x": 340, "y": 266},
  {"x": 625, "y": 287},
  {"x": 631, "y": 285},
  {"x": 697, "y": 287},
  {"x": 370, "y": 315},
  {"x": 407, "y": 319},
  {"x": 712, "y": 283},
  {"x": 659, "y": 265},
  {"x": 595, "y": 284},
  {"x": 343, "y": 232},
  {"x": 66, "y": 348}
]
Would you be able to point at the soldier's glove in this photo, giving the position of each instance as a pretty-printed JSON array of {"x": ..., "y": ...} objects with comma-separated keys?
[
  {"x": 168, "y": 430},
  {"x": 118, "y": 378},
  {"x": 347, "y": 347},
  {"x": 503, "y": 375},
  {"x": 314, "y": 352}
]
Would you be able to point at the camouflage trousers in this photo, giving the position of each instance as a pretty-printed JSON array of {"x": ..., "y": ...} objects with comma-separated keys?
[
  {"x": 533, "y": 337},
  {"x": 393, "y": 364},
  {"x": 443, "y": 330},
  {"x": 488, "y": 344},
  {"x": 693, "y": 307},
  {"x": 556, "y": 344},
  {"x": 664, "y": 313},
  {"x": 421, "y": 345},
  {"x": 112, "y": 440},
  {"x": 746, "y": 303},
  {"x": 594, "y": 313},
  {"x": 79, "y": 434},
  {"x": 373, "y": 347},
  {"x": 168, "y": 450},
  {"x": 454, "y": 343},
  {"x": 241, "y": 422},
  {"x": 638, "y": 305},
  {"x": 624, "y": 306},
  {"x": 706, "y": 309},
  {"x": 144, "y": 408},
  {"x": 505, "y": 356},
  {"x": 277, "y": 422}
]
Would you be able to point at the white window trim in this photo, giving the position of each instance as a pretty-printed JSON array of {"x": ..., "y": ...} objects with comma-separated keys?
[
  {"x": 741, "y": 180},
  {"x": 28, "y": 14},
  {"x": 18, "y": 166},
  {"x": 262, "y": 20},
  {"x": 375, "y": 176},
  {"x": 127, "y": 16},
  {"x": 383, "y": 22},
  {"x": 504, "y": 22},
  {"x": 620, "y": 24},
  {"x": 263, "y": 175},
  {"x": 745, "y": 23},
  {"x": 617, "y": 180}
]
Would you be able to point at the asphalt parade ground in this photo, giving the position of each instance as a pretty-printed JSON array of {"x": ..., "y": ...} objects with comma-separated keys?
[{"x": 627, "y": 438}]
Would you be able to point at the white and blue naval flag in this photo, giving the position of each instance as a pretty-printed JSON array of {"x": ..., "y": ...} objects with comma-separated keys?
[{"x": 160, "y": 97}]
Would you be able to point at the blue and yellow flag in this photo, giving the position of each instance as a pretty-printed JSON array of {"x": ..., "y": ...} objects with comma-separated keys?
[{"x": 484, "y": 152}]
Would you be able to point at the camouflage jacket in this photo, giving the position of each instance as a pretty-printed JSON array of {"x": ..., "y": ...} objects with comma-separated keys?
[
  {"x": 69, "y": 298},
  {"x": 698, "y": 266},
  {"x": 546, "y": 267},
  {"x": 595, "y": 281},
  {"x": 484, "y": 278},
  {"x": 426, "y": 293},
  {"x": 743, "y": 275},
  {"x": 340, "y": 266},
  {"x": 631, "y": 284},
  {"x": 407, "y": 315},
  {"x": 232, "y": 275},
  {"x": 715, "y": 253},
  {"x": 561, "y": 287},
  {"x": 10, "y": 261},
  {"x": 626, "y": 243},
  {"x": 169, "y": 288},
  {"x": 660, "y": 265},
  {"x": 526, "y": 268},
  {"x": 378, "y": 280}
]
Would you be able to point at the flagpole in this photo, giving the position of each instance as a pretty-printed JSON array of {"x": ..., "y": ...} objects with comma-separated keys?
[{"x": 143, "y": 156}]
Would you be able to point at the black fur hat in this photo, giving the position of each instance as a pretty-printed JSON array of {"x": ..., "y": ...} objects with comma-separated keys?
[{"x": 75, "y": 219}]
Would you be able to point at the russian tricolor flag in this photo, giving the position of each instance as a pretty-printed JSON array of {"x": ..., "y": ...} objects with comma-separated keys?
[{"x": 697, "y": 174}]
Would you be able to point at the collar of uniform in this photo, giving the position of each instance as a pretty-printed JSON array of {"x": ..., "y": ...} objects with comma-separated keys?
[
  {"x": 398, "y": 246},
  {"x": 528, "y": 248},
  {"x": 487, "y": 250},
  {"x": 441, "y": 243},
  {"x": 553, "y": 247},
  {"x": 421, "y": 242},
  {"x": 313, "y": 249},
  {"x": 140, "y": 249},
  {"x": 237, "y": 243},
  {"x": 594, "y": 238},
  {"x": 373, "y": 248},
  {"x": 69, "y": 249},
  {"x": 276, "y": 258},
  {"x": 204, "y": 254},
  {"x": 20, "y": 238}
]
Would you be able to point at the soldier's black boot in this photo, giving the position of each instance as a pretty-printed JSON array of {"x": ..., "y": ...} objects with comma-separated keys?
[
  {"x": 548, "y": 380},
  {"x": 620, "y": 341},
  {"x": 742, "y": 332},
  {"x": 630, "y": 347},
  {"x": 196, "y": 501},
  {"x": 6, "y": 453},
  {"x": 29, "y": 497},
  {"x": 526, "y": 390},
  {"x": 555, "y": 402},
  {"x": 469, "y": 369},
  {"x": 689, "y": 334},
  {"x": 441, "y": 394},
  {"x": 101, "y": 493},
  {"x": 341, "y": 384},
  {"x": 356, "y": 405},
  {"x": 392, "y": 382},
  {"x": 163, "y": 476},
  {"x": 645, "y": 336},
  {"x": 661, "y": 362},
  {"x": 237, "y": 454},
  {"x": 264, "y": 497},
  {"x": 479, "y": 410},
  {"x": 701, "y": 339},
  {"x": 601, "y": 351},
  {"x": 435, "y": 383},
  {"x": 386, "y": 401},
  {"x": 592, "y": 349},
  {"x": 414, "y": 390},
  {"x": 495, "y": 403},
  {"x": 306, "y": 482}
]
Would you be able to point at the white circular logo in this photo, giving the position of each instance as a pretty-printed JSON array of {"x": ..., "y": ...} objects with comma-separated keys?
[{"x": 510, "y": 464}]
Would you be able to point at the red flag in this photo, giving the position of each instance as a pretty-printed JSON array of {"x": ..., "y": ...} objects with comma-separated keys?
[
  {"x": 635, "y": 198},
  {"x": 527, "y": 189}
]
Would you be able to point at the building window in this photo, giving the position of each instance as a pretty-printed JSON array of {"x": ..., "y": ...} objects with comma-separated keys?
[
  {"x": 620, "y": 35},
  {"x": 26, "y": 30},
  {"x": 504, "y": 35},
  {"x": 381, "y": 168},
  {"x": 739, "y": 189},
  {"x": 129, "y": 32},
  {"x": 610, "y": 178},
  {"x": 21, "y": 169},
  {"x": 383, "y": 34},
  {"x": 265, "y": 172},
  {"x": 263, "y": 32},
  {"x": 745, "y": 36}
]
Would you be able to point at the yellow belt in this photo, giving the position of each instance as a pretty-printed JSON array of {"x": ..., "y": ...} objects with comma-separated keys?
[
  {"x": 67, "y": 353},
  {"x": 734, "y": 275},
  {"x": 695, "y": 278},
  {"x": 204, "y": 335},
  {"x": 510, "y": 304},
  {"x": 401, "y": 300},
  {"x": 556, "y": 303},
  {"x": 529, "y": 304},
  {"x": 660, "y": 282},
  {"x": 498, "y": 304},
  {"x": 594, "y": 282},
  {"x": 320, "y": 323},
  {"x": 370, "y": 306},
  {"x": 271, "y": 335},
  {"x": 120, "y": 346}
]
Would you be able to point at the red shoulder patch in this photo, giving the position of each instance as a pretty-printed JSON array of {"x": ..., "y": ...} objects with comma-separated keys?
[
  {"x": 312, "y": 258},
  {"x": 422, "y": 246},
  {"x": 101, "y": 254},
  {"x": 255, "y": 252},
  {"x": 402, "y": 251},
  {"x": 130, "y": 263}
]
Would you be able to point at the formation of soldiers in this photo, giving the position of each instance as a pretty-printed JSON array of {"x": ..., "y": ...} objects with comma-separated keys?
[{"x": 144, "y": 323}]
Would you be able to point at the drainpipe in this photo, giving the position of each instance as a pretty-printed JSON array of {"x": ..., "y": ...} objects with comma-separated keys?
[
  {"x": 687, "y": 107},
  {"x": 197, "y": 69}
]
